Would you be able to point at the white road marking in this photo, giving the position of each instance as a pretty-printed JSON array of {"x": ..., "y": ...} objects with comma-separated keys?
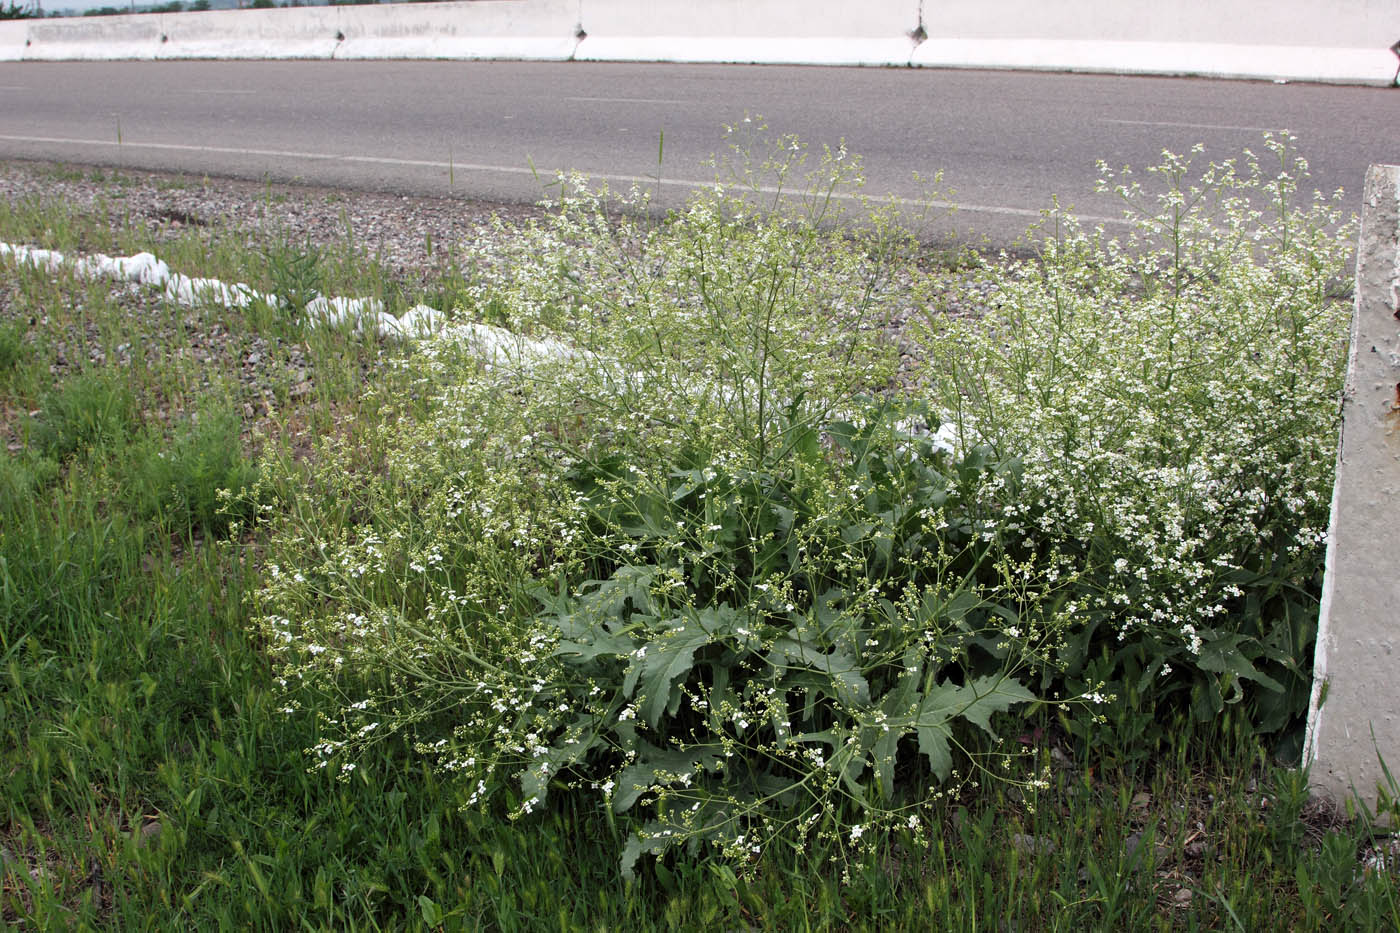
[
  {"x": 1195, "y": 126},
  {"x": 517, "y": 170},
  {"x": 625, "y": 100}
]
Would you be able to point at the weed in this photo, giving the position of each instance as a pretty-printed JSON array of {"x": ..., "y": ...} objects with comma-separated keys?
[
  {"x": 92, "y": 409},
  {"x": 199, "y": 479},
  {"x": 295, "y": 273},
  {"x": 12, "y": 346},
  {"x": 707, "y": 435}
]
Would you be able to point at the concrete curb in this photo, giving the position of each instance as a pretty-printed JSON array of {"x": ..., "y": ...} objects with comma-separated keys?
[{"x": 1354, "y": 714}]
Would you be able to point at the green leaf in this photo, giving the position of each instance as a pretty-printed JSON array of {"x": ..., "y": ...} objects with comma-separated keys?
[
  {"x": 896, "y": 706},
  {"x": 431, "y": 912},
  {"x": 627, "y": 584},
  {"x": 667, "y": 659},
  {"x": 655, "y": 844},
  {"x": 534, "y": 781},
  {"x": 845, "y": 681},
  {"x": 993, "y": 694},
  {"x": 654, "y": 766},
  {"x": 1222, "y": 655},
  {"x": 975, "y": 701}
]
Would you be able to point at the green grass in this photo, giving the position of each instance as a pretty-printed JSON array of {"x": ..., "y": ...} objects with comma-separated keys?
[{"x": 151, "y": 779}]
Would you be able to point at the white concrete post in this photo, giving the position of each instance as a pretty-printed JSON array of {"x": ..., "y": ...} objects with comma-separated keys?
[{"x": 1354, "y": 716}]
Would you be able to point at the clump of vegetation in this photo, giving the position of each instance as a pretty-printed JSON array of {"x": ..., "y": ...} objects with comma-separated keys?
[
  {"x": 16, "y": 10},
  {"x": 695, "y": 498},
  {"x": 693, "y": 547},
  {"x": 1171, "y": 400},
  {"x": 94, "y": 409},
  {"x": 12, "y": 348},
  {"x": 198, "y": 479}
]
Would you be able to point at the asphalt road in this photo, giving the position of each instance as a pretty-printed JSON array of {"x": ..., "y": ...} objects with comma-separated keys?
[{"x": 1005, "y": 141}]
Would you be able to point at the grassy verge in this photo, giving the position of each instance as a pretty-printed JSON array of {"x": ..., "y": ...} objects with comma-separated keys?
[{"x": 200, "y": 510}]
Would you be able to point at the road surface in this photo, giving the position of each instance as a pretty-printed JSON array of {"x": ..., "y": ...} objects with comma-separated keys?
[{"x": 1005, "y": 141}]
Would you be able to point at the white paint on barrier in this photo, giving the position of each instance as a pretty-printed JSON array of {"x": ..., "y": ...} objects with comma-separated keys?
[
  {"x": 782, "y": 50},
  {"x": 304, "y": 32},
  {"x": 1210, "y": 59},
  {"x": 835, "y": 32},
  {"x": 98, "y": 38},
  {"x": 1344, "y": 41},
  {"x": 506, "y": 29},
  {"x": 14, "y": 34}
]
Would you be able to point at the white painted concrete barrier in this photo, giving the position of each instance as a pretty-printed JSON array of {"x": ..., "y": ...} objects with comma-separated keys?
[
  {"x": 1307, "y": 40},
  {"x": 833, "y": 32},
  {"x": 1347, "y": 41},
  {"x": 505, "y": 29},
  {"x": 13, "y": 35},
  {"x": 93, "y": 38},
  {"x": 510, "y": 29},
  {"x": 1354, "y": 717},
  {"x": 302, "y": 32}
]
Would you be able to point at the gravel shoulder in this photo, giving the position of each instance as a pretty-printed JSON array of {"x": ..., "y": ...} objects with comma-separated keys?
[{"x": 399, "y": 229}]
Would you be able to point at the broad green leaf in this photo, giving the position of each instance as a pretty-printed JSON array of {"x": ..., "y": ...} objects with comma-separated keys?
[
  {"x": 896, "y": 705},
  {"x": 993, "y": 694},
  {"x": 656, "y": 843},
  {"x": 626, "y": 584},
  {"x": 534, "y": 781},
  {"x": 1223, "y": 656},
  {"x": 666, "y": 660},
  {"x": 975, "y": 702},
  {"x": 656, "y": 766},
  {"x": 845, "y": 680}
]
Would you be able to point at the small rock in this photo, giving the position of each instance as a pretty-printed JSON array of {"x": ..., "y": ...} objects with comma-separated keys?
[
  {"x": 1182, "y": 898},
  {"x": 148, "y": 834},
  {"x": 1141, "y": 800},
  {"x": 254, "y": 358},
  {"x": 1032, "y": 845}
]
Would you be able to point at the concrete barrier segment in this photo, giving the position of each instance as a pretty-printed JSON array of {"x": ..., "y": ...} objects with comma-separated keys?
[
  {"x": 502, "y": 29},
  {"x": 14, "y": 36},
  {"x": 96, "y": 38},
  {"x": 1345, "y": 41},
  {"x": 834, "y": 32},
  {"x": 1354, "y": 714},
  {"x": 301, "y": 32},
  {"x": 1376, "y": 66}
]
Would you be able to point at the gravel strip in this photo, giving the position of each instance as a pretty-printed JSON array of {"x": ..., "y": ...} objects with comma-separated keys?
[{"x": 397, "y": 228}]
